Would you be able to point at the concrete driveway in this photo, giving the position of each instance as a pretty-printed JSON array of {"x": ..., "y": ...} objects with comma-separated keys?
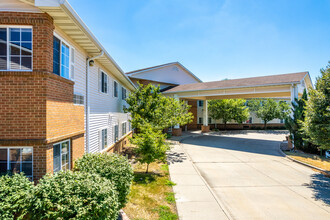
[{"x": 251, "y": 179}]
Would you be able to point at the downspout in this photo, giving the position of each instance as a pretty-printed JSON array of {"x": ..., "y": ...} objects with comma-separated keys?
[{"x": 87, "y": 100}]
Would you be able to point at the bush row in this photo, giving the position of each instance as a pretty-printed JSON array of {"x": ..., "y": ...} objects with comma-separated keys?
[{"x": 97, "y": 189}]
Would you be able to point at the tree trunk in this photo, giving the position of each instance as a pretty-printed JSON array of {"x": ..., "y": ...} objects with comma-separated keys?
[
  {"x": 265, "y": 125},
  {"x": 147, "y": 168},
  {"x": 225, "y": 125}
]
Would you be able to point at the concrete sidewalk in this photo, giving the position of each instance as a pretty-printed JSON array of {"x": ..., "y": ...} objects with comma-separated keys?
[{"x": 194, "y": 199}]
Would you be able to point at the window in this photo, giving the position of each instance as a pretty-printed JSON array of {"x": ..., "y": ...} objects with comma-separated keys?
[
  {"x": 104, "y": 82},
  {"x": 250, "y": 120},
  {"x": 200, "y": 103},
  {"x": 16, "y": 160},
  {"x": 61, "y": 156},
  {"x": 115, "y": 89},
  {"x": 123, "y": 127},
  {"x": 78, "y": 99},
  {"x": 123, "y": 93},
  {"x": 116, "y": 133},
  {"x": 282, "y": 121},
  {"x": 104, "y": 138},
  {"x": 15, "y": 48},
  {"x": 62, "y": 64},
  {"x": 200, "y": 120},
  {"x": 209, "y": 120}
]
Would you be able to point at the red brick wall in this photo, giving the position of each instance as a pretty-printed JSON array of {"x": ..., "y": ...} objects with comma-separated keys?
[
  {"x": 193, "y": 109},
  {"x": 37, "y": 107},
  {"x": 22, "y": 94}
]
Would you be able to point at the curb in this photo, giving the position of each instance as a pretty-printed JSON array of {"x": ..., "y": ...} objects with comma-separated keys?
[
  {"x": 303, "y": 163},
  {"x": 220, "y": 203}
]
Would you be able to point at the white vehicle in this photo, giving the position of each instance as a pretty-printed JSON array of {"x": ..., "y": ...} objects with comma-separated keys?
[{"x": 327, "y": 154}]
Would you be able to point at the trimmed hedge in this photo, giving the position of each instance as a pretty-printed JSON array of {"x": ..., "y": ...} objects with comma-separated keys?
[
  {"x": 79, "y": 195},
  {"x": 15, "y": 196},
  {"x": 114, "y": 167}
]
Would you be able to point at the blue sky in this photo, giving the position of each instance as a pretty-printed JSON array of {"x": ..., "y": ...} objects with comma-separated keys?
[{"x": 215, "y": 39}]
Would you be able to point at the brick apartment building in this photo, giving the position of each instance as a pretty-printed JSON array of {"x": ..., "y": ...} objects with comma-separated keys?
[{"x": 56, "y": 101}]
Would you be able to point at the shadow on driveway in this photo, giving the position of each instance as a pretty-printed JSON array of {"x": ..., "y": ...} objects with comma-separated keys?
[
  {"x": 320, "y": 185},
  {"x": 267, "y": 147}
]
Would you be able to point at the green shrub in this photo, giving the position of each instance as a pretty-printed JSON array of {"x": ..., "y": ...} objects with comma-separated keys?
[
  {"x": 15, "y": 196},
  {"x": 79, "y": 195},
  {"x": 111, "y": 166}
]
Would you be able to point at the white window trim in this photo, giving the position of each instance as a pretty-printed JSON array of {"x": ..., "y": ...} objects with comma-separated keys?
[
  {"x": 77, "y": 93},
  {"x": 100, "y": 137},
  {"x": 124, "y": 122},
  {"x": 114, "y": 133},
  {"x": 100, "y": 80},
  {"x": 8, "y": 156},
  {"x": 61, "y": 153},
  {"x": 8, "y": 51},
  {"x": 70, "y": 55}
]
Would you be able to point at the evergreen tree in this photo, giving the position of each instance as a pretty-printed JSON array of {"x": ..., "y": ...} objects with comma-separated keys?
[
  {"x": 293, "y": 124},
  {"x": 317, "y": 121}
]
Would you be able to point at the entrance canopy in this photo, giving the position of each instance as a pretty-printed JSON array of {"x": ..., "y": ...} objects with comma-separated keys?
[
  {"x": 276, "y": 86},
  {"x": 285, "y": 86}
]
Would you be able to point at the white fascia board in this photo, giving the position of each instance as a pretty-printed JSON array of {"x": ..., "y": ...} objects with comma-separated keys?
[
  {"x": 235, "y": 87},
  {"x": 83, "y": 27}
]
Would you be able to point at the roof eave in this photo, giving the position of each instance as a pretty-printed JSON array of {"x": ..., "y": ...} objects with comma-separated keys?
[{"x": 234, "y": 87}]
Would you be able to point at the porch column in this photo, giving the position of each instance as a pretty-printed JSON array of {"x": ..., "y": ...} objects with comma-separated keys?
[
  {"x": 176, "y": 131},
  {"x": 205, "y": 127},
  {"x": 294, "y": 96}
]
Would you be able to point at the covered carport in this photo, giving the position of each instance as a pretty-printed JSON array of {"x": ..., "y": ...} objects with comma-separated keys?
[{"x": 288, "y": 86}]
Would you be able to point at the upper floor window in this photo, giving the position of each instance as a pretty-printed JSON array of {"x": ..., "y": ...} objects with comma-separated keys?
[
  {"x": 62, "y": 64},
  {"x": 200, "y": 103},
  {"x": 15, "y": 48},
  {"x": 123, "y": 93},
  {"x": 115, "y": 89},
  {"x": 104, "y": 82}
]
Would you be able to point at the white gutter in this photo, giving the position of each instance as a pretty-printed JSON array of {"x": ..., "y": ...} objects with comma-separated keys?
[
  {"x": 87, "y": 99},
  {"x": 63, "y": 4},
  {"x": 235, "y": 87}
]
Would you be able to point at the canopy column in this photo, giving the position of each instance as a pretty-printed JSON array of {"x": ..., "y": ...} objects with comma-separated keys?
[
  {"x": 294, "y": 96},
  {"x": 205, "y": 127},
  {"x": 176, "y": 131}
]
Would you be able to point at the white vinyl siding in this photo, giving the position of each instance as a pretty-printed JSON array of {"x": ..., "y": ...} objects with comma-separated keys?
[{"x": 105, "y": 110}]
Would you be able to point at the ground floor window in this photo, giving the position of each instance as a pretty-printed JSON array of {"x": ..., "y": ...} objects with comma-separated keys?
[
  {"x": 104, "y": 138},
  {"x": 124, "y": 131},
  {"x": 61, "y": 156},
  {"x": 209, "y": 120},
  {"x": 200, "y": 120},
  {"x": 116, "y": 133},
  {"x": 16, "y": 160}
]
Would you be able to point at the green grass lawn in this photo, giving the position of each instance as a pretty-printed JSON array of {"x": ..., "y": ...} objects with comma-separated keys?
[
  {"x": 151, "y": 194},
  {"x": 312, "y": 159}
]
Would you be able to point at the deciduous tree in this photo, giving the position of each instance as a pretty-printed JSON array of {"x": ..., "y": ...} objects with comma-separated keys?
[
  {"x": 228, "y": 109},
  {"x": 269, "y": 109},
  {"x": 148, "y": 106}
]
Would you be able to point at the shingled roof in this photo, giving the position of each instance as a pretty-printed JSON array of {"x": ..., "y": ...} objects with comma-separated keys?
[{"x": 243, "y": 82}]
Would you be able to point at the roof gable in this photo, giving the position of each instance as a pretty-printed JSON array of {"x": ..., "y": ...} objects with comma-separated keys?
[
  {"x": 172, "y": 73},
  {"x": 243, "y": 82}
]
